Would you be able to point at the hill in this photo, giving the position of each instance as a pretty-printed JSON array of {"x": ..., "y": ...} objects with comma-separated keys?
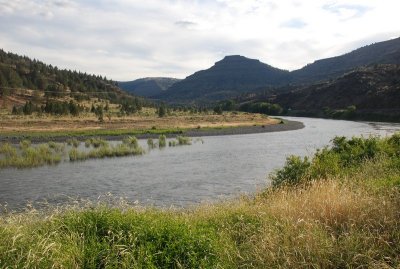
[
  {"x": 235, "y": 75},
  {"x": 147, "y": 87},
  {"x": 23, "y": 79},
  {"x": 386, "y": 52},
  {"x": 371, "y": 92},
  {"x": 227, "y": 78}
]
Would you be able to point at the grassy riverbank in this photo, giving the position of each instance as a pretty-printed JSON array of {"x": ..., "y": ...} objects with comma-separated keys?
[
  {"x": 339, "y": 209},
  {"x": 41, "y": 127}
]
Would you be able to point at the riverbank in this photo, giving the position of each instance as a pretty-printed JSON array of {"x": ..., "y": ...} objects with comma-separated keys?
[
  {"x": 339, "y": 209},
  {"x": 277, "y": 125}
]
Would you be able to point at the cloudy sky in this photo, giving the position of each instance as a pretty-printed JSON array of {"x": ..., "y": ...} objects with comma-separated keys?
[{"x": 129, "y": 39}]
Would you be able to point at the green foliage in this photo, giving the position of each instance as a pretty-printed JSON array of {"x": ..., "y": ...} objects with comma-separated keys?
[
  {"x": 105, "y": 150},
  {"x": 150, "y": 143},
  {"x": 293, "y": 172},
  {"x": 262, "y": 107},
  {"x": 95, "y": 142},
  {"x": 62, "y": 108},
  {"x": 73, "y": 142},
  {"x": 218, "y": 110},
  {"x": 162, "y": 141},
  {"x": 131, "y": 141},
  {"x": 28, "y": 155},
  {"x": 162, "y": 110},
  {"x": 344, "y": 154},
  {"x": 131, "y": 106},
  {"x": 183, "y": 140}
]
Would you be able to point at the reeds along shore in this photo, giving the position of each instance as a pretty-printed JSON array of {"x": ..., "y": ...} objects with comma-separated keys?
[
  {"x": 338, "y": 209},
  {"x": 26, "y": 155}
]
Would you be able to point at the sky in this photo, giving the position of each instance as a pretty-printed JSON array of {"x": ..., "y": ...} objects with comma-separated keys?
[{"x": 129, "y": 39}]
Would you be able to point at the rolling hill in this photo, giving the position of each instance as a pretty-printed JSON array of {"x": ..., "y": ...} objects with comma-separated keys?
[
  {"x": 386, "y": 52},
  {"x": 375, "y": 87},
  {"x": 147, "y": 87},
  {"x": 23, "y": 79}
]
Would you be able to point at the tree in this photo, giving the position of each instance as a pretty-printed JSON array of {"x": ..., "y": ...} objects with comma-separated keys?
[
  {"x": 162, "y": 111},
  {"x": 28, "y": 108},
  {"x": 218, "y": 110}
]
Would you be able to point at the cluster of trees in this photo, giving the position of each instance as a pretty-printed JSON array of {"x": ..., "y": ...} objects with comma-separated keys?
[
  {"x": 262, "y": 107},
  {"x": 51, "y": 107},
  {"x": 348, "y": 113},
  {"x": 131, "y": 106},
  {"x": 252, "y": 107}
]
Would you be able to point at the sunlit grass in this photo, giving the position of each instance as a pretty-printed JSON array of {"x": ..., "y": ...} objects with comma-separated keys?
[
  {"x": 30, "y": 156},
  {"x": 103, "y": 149}
]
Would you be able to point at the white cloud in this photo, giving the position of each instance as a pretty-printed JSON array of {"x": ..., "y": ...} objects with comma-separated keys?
[{"x": 125, "y": 39}]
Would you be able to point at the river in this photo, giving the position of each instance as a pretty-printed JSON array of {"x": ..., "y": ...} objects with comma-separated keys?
[{"x": 221, "y": 167}]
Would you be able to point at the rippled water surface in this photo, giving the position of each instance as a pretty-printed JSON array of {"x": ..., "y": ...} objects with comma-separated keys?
[{"x": 222, "y": 166}]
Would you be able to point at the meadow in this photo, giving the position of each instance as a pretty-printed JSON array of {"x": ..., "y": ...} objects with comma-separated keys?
[
  {"x": 144, "y": 122},
  {"x": 337, "y": 209}
]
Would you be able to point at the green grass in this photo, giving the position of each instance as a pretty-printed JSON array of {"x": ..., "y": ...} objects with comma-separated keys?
[
  {"x": 26, "y": 155},
  {"x": 335, "y": 211},
  {"x": 98, "y": 132},
  {"x": 102, "y": 149},
  {"x": 162, "y": 141},
  {"x": 48, "y": 135}
]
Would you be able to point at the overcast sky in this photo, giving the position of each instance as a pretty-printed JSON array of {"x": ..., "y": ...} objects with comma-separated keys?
[{"x": 125, "y": 40}]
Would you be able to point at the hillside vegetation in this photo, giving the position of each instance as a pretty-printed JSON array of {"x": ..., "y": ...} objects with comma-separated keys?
[
  {"x": 371, "y": 93},
  {"x": 23, "y": 80},
  {"x": 338, "y": 209}
]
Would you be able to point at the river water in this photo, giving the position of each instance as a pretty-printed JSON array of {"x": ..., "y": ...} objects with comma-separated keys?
[{"x": 221, "y": 167}]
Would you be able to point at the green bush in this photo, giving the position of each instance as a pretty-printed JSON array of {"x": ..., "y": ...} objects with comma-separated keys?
[
  {"x": 162, "y": 141},
  {"x": 344, "y": 155},
  {"x": 293, "y": 172}
]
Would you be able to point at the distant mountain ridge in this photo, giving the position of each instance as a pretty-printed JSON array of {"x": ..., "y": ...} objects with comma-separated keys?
[
  {"x": 147, "y": 87},
  {"x": 236, "y": 74}
]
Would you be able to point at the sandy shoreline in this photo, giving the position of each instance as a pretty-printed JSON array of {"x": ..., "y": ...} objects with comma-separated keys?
[{"x": 286, "y": 126}]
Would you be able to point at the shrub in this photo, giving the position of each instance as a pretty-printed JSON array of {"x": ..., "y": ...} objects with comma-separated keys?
[
  {"x": 294, "y": 170},
  {"x": 183, "y": 140},
  {"x": 162, "y": 141},
  {"x": 150, "y": 143}
]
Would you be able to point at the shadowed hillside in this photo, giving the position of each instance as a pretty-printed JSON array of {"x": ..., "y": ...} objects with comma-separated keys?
[
  {"x": 147, "y": 87},
  {"x": 387, "y": 52},
  {"x": 370, "y": 91},
  {"x": 228, "y": 77}
]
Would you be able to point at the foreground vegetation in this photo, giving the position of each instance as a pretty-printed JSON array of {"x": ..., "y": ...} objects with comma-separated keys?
[{"x": 339, "y": 209}]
